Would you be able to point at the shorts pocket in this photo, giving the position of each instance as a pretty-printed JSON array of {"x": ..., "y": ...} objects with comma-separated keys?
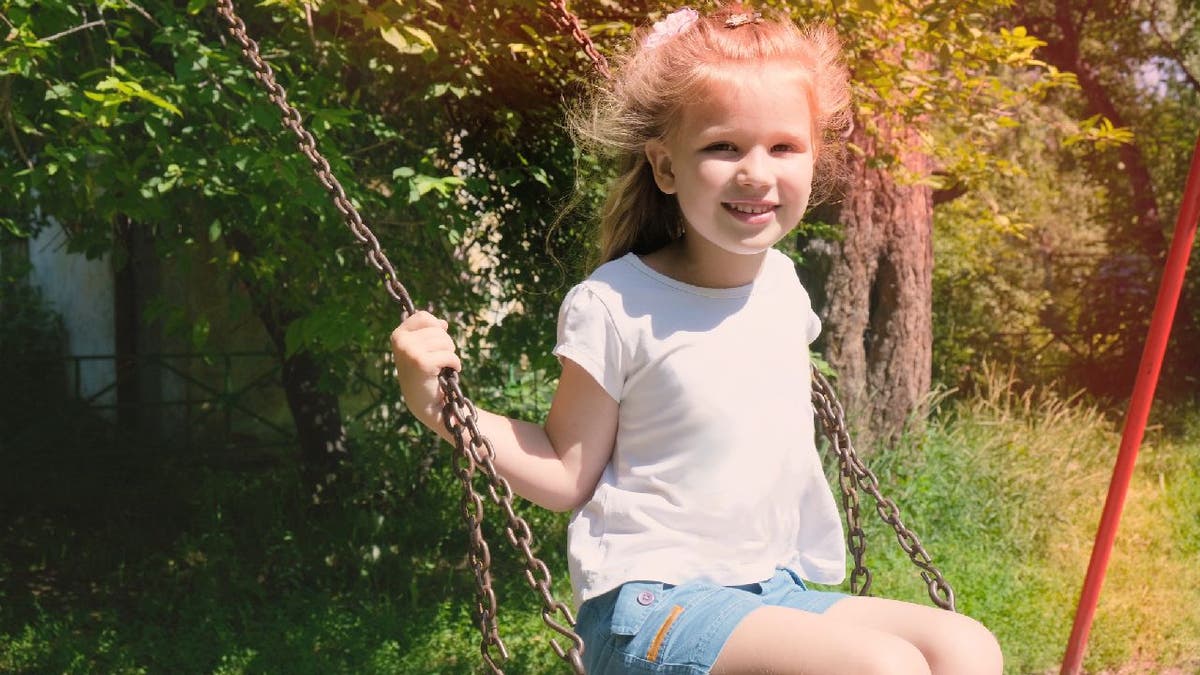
[{"x": 636, "y": 601}]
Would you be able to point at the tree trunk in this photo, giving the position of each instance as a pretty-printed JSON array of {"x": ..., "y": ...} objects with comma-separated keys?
[
  {"x": 136, "y": 279},
  {"x": 316, "y": 414},
  {"x": 318, "y": 418},
  {"x": 878, "y": 316}
]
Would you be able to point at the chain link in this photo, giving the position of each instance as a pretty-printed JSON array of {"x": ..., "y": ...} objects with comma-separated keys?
[
  {"x": 461, "y": 419},
  {"x": 854, "y": 474},
  {"x": 566, "y": 20}
]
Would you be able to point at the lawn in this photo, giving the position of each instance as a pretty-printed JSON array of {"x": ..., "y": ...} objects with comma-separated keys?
[{"x": 120, "y": 560}]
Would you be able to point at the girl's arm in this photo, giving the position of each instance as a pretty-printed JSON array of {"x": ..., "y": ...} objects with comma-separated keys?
[{"x": 556, "y": 465}]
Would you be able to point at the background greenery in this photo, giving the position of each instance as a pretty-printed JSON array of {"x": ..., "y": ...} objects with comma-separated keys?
[{"x": 127, "y": 120}]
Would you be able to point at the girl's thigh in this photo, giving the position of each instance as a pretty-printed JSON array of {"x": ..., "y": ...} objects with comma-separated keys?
[
  {"x": 864, "y": 635},
  {"x": 776, "y": 639}
]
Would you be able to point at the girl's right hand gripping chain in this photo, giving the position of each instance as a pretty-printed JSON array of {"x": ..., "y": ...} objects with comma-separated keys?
[{"x": 422, "y": 347}]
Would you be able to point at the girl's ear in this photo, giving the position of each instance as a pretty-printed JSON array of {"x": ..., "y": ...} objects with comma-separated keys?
[{"x": 660, "y": 163}]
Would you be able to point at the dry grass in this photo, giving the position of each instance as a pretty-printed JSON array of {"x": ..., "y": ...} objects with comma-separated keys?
[{"x": 1007, "y": 488}]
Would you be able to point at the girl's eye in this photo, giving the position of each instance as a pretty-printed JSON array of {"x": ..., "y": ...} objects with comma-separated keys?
[
  {"x": 720, "y": 147},
  {"x": 785, "y": 147}
]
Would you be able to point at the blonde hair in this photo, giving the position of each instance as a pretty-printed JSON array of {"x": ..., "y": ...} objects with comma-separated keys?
[{"x": 655, "y": 77}]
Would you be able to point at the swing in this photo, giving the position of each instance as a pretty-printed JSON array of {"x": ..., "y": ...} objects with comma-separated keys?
[{"x": 474, "y": 452}]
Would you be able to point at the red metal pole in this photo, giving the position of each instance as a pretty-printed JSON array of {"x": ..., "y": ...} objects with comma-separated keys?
[{"x": 1139, "y": 411}]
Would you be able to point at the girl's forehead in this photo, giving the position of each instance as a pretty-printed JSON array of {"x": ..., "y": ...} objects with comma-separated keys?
[{"x": 746, "y": 95}]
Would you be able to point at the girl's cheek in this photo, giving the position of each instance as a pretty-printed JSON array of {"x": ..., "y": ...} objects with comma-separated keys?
[{"x": 715, "y": 172}]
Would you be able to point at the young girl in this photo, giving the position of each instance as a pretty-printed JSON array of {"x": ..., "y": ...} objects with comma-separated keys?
[{"x": 681, "y": 433}]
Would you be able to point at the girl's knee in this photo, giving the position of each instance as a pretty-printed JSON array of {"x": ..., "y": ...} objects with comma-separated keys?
[
  {"x": 890, "y": 657},
  {"x": 966, "y": 646}
]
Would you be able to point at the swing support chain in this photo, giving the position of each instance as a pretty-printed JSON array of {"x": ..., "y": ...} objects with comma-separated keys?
[
  {"x": 473, "y": 450},
  {"x": 568, "y": 21},
  {"x": 854, "y": 474},
  {"x": 476, "y": 451},
  {"x": 308, "y": 146}
]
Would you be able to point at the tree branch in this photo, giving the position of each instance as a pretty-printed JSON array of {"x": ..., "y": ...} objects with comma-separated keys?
[
  {"x": 6, "y": 111},
  {"x": 76, "y": 29},
  {"x": 140, "y": 10},
  {"x": 1171, "y": 49}
]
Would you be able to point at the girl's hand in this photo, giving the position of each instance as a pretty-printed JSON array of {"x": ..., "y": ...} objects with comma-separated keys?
[{"x": 421, "y": 348}]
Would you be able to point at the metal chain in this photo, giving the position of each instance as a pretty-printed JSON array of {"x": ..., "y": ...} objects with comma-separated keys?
[
  {"x": 568, "y": 21},
  {"x": 473, "y": 450},
  {"x": 308, "y": 146},
  {"x": 461, "y": 419},
  {"x": 832, "y": 417}
]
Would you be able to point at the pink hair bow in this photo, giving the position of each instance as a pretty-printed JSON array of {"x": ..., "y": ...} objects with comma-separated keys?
[{"x": 675, "y": 23}]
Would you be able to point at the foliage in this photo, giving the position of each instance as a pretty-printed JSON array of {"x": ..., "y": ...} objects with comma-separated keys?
[
  {"x": 135, "y": 114},
  {"x": 1134, "y": 63},
  {"x": 1012, "y": 257},
  {"x": 31, "y": 342},
  {"x": 445, "y": 127}
]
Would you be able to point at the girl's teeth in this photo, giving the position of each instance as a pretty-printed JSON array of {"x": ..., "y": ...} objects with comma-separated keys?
[{"x": 750, "y": 209}]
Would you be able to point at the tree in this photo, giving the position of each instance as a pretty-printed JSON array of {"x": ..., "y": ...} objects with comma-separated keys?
[
  {"x": 1133, "y": 62},
  {"x": 127, "y": 117},
  {"x": 934, "y": 88}
]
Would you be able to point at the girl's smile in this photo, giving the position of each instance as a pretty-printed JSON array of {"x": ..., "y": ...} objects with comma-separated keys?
[{"x": 752, "y": 213}]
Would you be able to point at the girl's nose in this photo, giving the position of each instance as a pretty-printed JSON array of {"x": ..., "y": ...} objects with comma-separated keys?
[{"x": 753, "y": 172}]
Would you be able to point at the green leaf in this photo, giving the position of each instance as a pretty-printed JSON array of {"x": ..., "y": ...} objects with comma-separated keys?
[
  {"x": 200, "y": 331},
  {"x": 159, "y": 102}
]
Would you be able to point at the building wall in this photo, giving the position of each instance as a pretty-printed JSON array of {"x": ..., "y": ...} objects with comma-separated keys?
[
  {"x": 81, "y": 292},
  {"x": 172, "y": 391}
]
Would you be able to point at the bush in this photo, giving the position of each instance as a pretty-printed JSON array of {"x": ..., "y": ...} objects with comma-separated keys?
[{"x": 32, "y": 380}]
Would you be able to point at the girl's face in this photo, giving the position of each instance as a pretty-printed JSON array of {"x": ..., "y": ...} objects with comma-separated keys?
[{"x": 740, "y": 161}]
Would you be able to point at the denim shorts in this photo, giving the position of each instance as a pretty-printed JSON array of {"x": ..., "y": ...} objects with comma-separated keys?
[{"x": 651, "y": 627}]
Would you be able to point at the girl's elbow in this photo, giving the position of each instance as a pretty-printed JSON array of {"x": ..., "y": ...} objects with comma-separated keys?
[
  {"x": 562, "y": 502},
  {"x": 558, "y": 505},
  {"x": 568, "y": 498}
]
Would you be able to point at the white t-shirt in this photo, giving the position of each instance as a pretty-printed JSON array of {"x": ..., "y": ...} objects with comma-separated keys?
[{"x": 715, "y": 474}]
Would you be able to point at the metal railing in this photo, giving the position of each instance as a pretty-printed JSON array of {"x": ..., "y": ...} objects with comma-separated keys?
[{"x": 233, "y": 399}]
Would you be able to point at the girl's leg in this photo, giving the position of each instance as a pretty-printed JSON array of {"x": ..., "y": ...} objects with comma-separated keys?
[
  {"x": 860, "y": 635},
  {"x": 782, "y": 640},
  {"x": 951, "y": 643}
]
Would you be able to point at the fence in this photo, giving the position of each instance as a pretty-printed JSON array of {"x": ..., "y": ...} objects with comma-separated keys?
[{"x": 231, "y": 399}]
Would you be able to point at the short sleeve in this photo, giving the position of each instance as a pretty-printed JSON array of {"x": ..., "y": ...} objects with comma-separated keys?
[
  {"x": 814, "y": 326},
  {"x": 588, "y": 336}
]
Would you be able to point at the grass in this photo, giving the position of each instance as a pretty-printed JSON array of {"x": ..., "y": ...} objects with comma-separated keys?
[
  {"x": 122, "y": 561},
  {"x": 1009, "y": 489}
]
